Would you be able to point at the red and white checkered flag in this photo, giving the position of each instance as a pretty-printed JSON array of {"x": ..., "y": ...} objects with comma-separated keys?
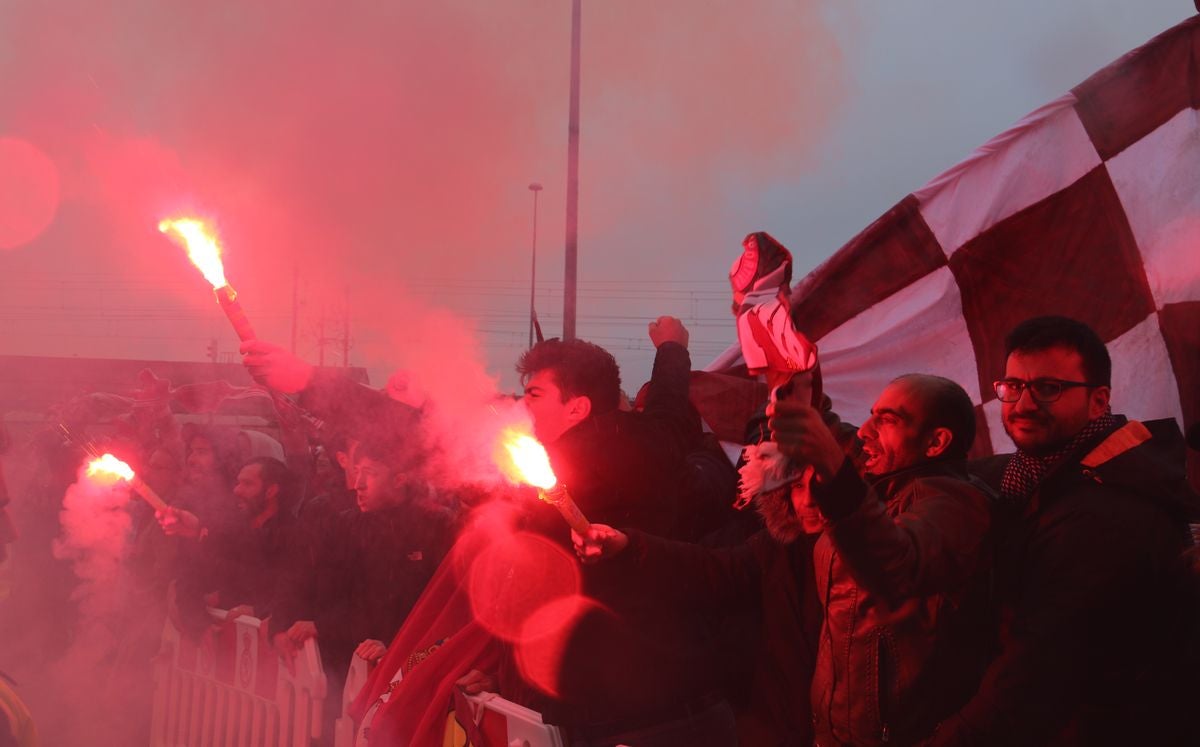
[{"x": 1089, "y": 208}]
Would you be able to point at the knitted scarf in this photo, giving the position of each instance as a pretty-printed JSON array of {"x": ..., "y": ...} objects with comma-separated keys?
[{"x": 1025, "y": 472}]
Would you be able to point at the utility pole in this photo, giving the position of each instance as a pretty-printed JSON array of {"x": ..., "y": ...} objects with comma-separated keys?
[
  {"x": 572, "y": 249},
  {"x": 321, "y": 339},
  {"x": 295, "y": 303},
  {"x": 346, "y": 331},
  {"x": 535, "y": 188}
]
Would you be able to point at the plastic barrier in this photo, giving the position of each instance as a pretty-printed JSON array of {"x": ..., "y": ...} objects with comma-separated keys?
[
  {"x": 229, "y": 688},
  {"x": 344, "y": 732},
  {"x": 503, "y": 723},
  {"x": 484, "y": 720}
]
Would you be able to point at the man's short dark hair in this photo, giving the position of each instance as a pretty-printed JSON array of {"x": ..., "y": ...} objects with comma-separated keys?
[
  {"x": 396, "y": 451},
  {"x": 581, "y": 369},
  {"x": 946, "y": 405},
  {"x": 274, "y": 472},
  {"x": 1045, "y": 332}
]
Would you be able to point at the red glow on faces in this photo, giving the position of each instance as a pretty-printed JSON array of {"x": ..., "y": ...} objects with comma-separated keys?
[
  {"x": 543, "y": 641},
  {"x": 514, "y": 577},
  {"x": 28, "y": 192}
]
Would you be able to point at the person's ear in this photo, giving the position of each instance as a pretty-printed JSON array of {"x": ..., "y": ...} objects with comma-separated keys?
[
  {"x": 343, "y": 460},
  {"x": 1098, "y": 400},
  {"x": 938, "y": 442},
  {"x": 578, "y": 408}
]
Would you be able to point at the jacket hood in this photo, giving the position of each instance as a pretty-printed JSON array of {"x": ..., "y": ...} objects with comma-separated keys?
[{"x": 1148, "y": 459}]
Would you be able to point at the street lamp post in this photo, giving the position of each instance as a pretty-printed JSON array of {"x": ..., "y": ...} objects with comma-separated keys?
[{"x": 535, "y": 188}]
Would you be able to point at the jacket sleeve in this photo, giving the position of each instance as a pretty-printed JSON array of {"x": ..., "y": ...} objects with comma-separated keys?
[
  {"x": 934, "y": 545},
  {"x": 299, "y": 576},
  {"x": 352, "y": 407},
  {"x": 671, "y": 423}
]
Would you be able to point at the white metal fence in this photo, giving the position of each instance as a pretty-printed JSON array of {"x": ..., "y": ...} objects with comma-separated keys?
[{"x": 230, "y": 690}]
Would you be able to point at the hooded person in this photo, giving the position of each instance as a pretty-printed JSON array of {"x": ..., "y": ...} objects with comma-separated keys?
[{"x": 254, "y": 444}]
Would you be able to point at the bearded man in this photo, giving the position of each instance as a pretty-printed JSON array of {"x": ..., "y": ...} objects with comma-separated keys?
[
  {"x": 1095, "y": 512},
  {"x": 899, "y": 569}
]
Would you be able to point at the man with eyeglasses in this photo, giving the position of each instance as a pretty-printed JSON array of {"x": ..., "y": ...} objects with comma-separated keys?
[{"x": 1094, "y": 520}]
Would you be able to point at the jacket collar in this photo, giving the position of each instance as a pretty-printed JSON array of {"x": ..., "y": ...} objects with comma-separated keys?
[{"x": 893, "y": 481}]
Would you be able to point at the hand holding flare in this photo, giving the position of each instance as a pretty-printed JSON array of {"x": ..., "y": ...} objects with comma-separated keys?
[
  {"x": 205, "y": 252},
  {"x": 532, "y": 467},
  {"x": 110, "y": 466}
]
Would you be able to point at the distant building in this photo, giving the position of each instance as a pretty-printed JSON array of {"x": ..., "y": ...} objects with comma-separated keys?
[{"x": 32, "y": 388}]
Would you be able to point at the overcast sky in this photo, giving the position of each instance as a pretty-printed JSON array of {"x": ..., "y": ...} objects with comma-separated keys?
[{"x": 385, "y": 149}]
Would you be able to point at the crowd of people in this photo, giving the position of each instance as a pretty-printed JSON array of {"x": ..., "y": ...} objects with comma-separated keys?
[{"x": 888, "y": 591}]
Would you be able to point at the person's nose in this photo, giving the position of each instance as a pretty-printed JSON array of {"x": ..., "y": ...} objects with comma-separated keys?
[{"x": 1025, "y": 402}]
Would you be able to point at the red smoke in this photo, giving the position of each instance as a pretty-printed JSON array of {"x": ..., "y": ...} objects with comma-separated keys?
[
  {"x": 28, "y": 192},
  {"x": 374, "y": 143}
]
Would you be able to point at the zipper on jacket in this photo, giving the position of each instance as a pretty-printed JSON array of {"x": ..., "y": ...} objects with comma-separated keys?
[{"x": 883, "y": 678}]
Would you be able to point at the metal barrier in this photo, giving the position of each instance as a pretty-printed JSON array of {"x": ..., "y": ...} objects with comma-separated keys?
[{"x": 230, "y": 689}]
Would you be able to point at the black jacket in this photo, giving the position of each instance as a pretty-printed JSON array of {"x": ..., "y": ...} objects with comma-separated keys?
[
  {"x": 631, "y": 661},
  {"x": 623, "y": 468},
  {"x": 360, "y": 574},
  {"x": 1089, "y": 582},
  {"x": 771, "y": 581},
  {"x": 242, "y": 565}
]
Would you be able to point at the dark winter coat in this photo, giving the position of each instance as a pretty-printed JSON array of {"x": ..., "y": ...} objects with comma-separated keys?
[
  {"x": 1089, "y": 581},
  {"x": 902, "y": 573},
  {"x": 623, "y": 468},
  {"x": 361, "y": 573},
  {"x": 631, "y": 661},
  {"x": 241, "y": 565},
  {"x": 771, "y": 581}
]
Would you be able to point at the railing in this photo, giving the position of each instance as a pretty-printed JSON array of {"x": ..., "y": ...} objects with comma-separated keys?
[{"x": 229, "y": 688}]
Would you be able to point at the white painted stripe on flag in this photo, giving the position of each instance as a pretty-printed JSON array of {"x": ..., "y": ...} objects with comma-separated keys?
[
  {"x": 1044, "y": 153},
  {"x": 1144, "y": 386},
  {"x": 918, "y": 329},
  {"x": 1158, "y": 181},
  {"x": 1001, "y": 443}
]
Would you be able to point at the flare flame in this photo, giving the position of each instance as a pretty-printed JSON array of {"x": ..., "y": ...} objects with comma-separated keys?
[
  {"x": 202, "y": 246},
  {"x": 529, "y": 462},
  {"x": 109, "y": 466}
]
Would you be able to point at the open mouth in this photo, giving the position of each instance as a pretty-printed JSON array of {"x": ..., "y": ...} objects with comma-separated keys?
[{"x": 872, "y": 457}]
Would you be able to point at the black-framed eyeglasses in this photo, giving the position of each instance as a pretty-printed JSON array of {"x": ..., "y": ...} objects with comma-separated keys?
[{"x": 1042, "y": 390}]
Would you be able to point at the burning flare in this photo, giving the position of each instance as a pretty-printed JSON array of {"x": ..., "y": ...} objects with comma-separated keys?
[
  {"x": 205, "y": 252},
  {"x": 109, "y": 466},
  {"x": 201, "y": 244},
  {"x": 530, "y": 463}
]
